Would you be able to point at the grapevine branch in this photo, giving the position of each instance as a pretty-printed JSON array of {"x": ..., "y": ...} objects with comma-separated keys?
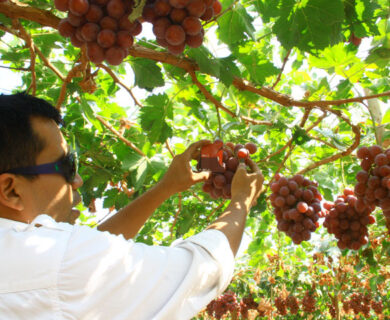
[
  {"x": 322, "y": 141},
  {"x": 282, "y": 69},
  {"x": 339, "y": 155},
  {"x": 169, "y": 148},
  {"x": 305, "y": 116},
  {"x": 290, "y": 145},
  {"x": 76, "y": 71},
  {"x": 30, "y": 45},
  {"x": 36, "y": 49},
  {"x": 117, "y": 80},
  {"x": 208, "y": 95},
  {"x": 287, "y": 101},
  {"x": 121, "y": 137},
  {"x": 48, "y": 64},
  {"x": 291, "y": 140},
  {"x": 16, "y": 9},
  {"x": 218, "y": 104},
  {"x": 14, "y": 68}
]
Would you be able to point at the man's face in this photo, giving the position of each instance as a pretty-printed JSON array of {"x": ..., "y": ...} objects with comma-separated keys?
[{"x": 50, "y": 193}]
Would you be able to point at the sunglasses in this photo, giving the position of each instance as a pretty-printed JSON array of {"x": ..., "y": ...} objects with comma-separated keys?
[{"x": 66, "y": 167}]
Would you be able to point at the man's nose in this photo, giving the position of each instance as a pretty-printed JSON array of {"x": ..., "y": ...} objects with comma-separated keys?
[{"x": 77, "y": 182}]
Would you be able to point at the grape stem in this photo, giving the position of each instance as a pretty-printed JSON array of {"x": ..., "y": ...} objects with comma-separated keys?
[
  {"x": 118, "y": 81},
  {"x": 373, "y": 122},
  {"x": 121, "y": 137},
  {"x": 282, "y": 69}
]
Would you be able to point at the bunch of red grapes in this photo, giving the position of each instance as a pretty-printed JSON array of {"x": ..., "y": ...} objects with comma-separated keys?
[
  {"x": 247, "y": 303},
  {"x": 227, "y": 302},
  {"x": 289, "y": 302},
  {"x": 281, "y": 305},
  {"x": 292, "y": 304},
  {"x": 103, "y": 25},
  {"x": 219, "y": 184},
  {"x": 348, "y": 219},
  {"x": 297, "y": 206},
  {"x": 309, "y": 303},
  {"x": 359, "y": 303},
  {"x": 373, "y": 181},
  {"x": 177, "y": 23}
]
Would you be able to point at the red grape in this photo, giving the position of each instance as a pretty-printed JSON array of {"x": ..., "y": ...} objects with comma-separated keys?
[
  {"x": 106, "y": 38},
  {"x": 115, "y": 55},
  {"x": 74, "y": 20},
  {"x": 162, "y": 8},
  {"x": 89, "y": 31},
  {"x": 124, "y": 39},
  {"x": 217, "y": 7},
  {"x": 177, "y": 15},
  {"x": 196, "y": 8},
  {"x": 78, "y": 7},
  {"x": 252, "y": 148},
  {"x": 243, "y": 153},
  {"x": 115, "y": 8},
  {"x": 192, "y": 26},
  {"x": 160, "y": 26},
  {"x": 95, "y": 52},
  {"x": 62, "y": 5},
  {"x": 208, "y": 14},
  {"x": 302, "y": 206},
  {"x": 149, "y": 14},
  {"x": 94, "y": 14},
  {"x": 219, "y": 181},
  {"x": 194, "y": 41},
  {"x": 108, "y": 23},
  {"x": 175, "y": 35},
  {"x": 65, "y": 28}
]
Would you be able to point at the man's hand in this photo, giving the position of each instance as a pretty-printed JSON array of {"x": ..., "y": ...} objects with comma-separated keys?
[
  {"x": 246, "y": 185},
  {"x": 180, "y": 176}
]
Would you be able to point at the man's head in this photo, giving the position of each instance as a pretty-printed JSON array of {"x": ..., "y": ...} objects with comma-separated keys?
[{"x": 30, "y": 136}]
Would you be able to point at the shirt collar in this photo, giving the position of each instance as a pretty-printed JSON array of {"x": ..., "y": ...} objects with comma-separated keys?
[{"x": 42, "y": 219}]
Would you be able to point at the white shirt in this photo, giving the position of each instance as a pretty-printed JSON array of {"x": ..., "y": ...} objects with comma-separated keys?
[{"x": 51, "y": 270}]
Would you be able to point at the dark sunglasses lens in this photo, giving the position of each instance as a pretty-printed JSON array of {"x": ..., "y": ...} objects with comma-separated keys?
[{"x": 69, "y": 167}]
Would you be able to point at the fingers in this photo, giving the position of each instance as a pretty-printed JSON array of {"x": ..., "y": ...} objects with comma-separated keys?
[
  {"x": 253, "y": 165},
  {"x": 255, "y": 169},
  {"x": 201, "y": 176},
  {"x": 193, "y": 151}
]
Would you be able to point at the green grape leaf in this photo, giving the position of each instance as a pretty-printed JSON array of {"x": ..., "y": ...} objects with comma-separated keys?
[
  {"x": 310, "y": 24},
  {"x": 153, "y": 116},
  {"x": 147, "y": 73},
  {"x": 205, "y": 61},
  {"x": 235, "y": 25}
]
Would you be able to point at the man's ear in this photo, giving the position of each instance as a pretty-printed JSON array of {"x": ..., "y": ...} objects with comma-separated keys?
[{"x": 10, "y": 195}]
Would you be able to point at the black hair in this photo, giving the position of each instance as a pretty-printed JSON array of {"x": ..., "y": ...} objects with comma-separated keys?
[{"x": 19, "y": 144}]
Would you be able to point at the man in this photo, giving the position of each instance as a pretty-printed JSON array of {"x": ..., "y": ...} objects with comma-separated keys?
[{"x": 52, "y": 269}]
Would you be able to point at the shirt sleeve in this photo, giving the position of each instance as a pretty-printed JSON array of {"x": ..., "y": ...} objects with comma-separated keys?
[{"x": 103, "y": 276}]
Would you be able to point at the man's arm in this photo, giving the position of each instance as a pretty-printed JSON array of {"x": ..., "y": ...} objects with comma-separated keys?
[
  {"x": 179, "y": 177},
  {"x": 246, "y": 188}
]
